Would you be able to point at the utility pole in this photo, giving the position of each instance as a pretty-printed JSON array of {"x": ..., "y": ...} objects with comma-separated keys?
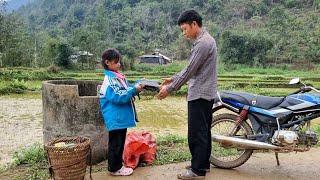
[
  {"x": 0, "y": 60},
  {"x": 35, "y": 53}
]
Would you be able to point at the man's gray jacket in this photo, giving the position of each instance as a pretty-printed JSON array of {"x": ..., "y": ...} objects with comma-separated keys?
[{"x": 201, "y": 72}]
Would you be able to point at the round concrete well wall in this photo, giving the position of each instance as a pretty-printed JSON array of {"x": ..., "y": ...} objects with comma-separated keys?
[{"x": 71, "y": 108}]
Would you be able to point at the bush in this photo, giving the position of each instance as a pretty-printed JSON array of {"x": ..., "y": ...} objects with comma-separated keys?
[
  {"x": 14, "y": 86},
  {"x": 127, "y": 64},
  {"x": 246, "y": 48},
  {"x": 297, "y": 3},
  {"x": 27, "y": 74},
  {"x": 53, "y": 69},
  {"x": 64, "y": 52},
  {"x": 32, "y": 155},
  {"x": 35, "y": 159},
  {"x": 291, "y": 3}
]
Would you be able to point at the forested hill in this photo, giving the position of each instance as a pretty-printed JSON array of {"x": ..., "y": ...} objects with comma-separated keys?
[
  {"x": 257, "y": 32},
  {"x": 16, "y": 4}
]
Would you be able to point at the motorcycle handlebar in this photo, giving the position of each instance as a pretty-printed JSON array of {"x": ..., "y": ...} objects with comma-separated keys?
[{"x": 304, "y": 89}]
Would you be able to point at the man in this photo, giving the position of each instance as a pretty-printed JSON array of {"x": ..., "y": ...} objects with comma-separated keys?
[{"x": 202, "y": 86}]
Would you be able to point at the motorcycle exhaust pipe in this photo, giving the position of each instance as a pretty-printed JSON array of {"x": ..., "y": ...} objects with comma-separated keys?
[{"x": 243, "y": 143}]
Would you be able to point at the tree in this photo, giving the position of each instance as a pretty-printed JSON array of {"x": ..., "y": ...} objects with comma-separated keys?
[
  {"x": 316, "y": 4},
  {"x": 58, "y": 53},
  {"x": 15, "y": 43},
  {"x": 140, "y": 26},
  {"x": 64, "y": 52},
  {"x": 246, "y": 48}
]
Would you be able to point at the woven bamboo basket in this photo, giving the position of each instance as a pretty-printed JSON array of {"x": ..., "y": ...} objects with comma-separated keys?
[{"x": 68, "y": 162}]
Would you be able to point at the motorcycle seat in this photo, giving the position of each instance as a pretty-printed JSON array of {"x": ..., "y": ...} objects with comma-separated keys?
[{"x": 264, "y": 102}]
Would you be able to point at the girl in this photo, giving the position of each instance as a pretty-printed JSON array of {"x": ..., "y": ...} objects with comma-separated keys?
[{"x": 116, "y": 103}]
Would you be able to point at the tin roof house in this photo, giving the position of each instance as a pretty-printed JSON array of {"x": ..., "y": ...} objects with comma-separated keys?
[
  {"x": 79, "y": 56},
  {"x": 84, "y": 57},
  {"x": 155, "y": 58}
]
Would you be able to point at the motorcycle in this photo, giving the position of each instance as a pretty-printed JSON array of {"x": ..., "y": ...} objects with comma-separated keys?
[{"x": 279, "y": 124}]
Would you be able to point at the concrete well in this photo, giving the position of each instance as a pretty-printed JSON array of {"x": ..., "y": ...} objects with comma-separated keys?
[{"x": 71, "y": 108}]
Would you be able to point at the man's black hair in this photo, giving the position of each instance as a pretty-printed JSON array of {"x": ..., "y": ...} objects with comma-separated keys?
[
  {"x": 189, "y": 16},
  {"x": 110, "y": 55}
]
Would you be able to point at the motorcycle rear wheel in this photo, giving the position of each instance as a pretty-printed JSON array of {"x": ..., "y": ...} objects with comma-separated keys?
[{"x": 228, "y": 157}]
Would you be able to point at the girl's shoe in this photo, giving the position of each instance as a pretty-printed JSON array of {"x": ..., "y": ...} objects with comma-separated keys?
[{"x": 124, "y": 171}]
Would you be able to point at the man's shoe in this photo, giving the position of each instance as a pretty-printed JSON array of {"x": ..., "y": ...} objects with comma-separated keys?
[
  {"x": 189, "y": 167},
  {"x": 188, "y": 174}
]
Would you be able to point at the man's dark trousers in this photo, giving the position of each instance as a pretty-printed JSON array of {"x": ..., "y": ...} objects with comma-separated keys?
[{"x": 199, "y": 134}]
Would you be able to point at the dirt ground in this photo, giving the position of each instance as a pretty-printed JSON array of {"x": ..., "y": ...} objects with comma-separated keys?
[
  {"x": 20, "y": 125},
  {"x": 21, "y": 121},
  {"x": 261, "y": 166}
]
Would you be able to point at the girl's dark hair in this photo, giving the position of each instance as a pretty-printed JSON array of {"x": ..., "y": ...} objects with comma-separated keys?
[
  {"x": 189, "y": 16},
  {"x": 110, "y": 55}
]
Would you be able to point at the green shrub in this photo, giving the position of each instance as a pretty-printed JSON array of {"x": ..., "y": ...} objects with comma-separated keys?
[
  {"x": 32, "y": 155},
  {"x": 29, "y": 74},
  {"x": 53, "y": 69},
  {"x": 245, "y": 48},
  {"x": 14, "y": 86},
  {"x": 34, "y": 158},
  {"x": 18, "y": 86},
  {"x": 296, "y": 3}
]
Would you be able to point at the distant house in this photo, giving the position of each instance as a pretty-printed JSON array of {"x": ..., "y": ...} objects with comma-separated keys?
[
  {"x": 85, "y": 58},
  {"x": 155, "y": 58},
  {"x": 80, "y": 56}
]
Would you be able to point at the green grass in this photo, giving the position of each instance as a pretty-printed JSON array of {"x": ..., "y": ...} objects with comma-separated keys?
[
  {"x": 31, "y": 155},
  {"x": 172, "y": 149},
  {"x": 317, "y": 130},
  {"x": 2, "y": 168},
  {"x": 28, "y": 163},
  {"x": 14, "y": 86},
  {"x": 223, "y": 152}
]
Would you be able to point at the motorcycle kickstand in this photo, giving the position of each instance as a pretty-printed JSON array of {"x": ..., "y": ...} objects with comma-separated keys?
[{"x": 277, "y": 158}]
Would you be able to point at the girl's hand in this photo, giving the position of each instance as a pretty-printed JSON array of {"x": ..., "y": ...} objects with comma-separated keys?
[{"x": 139, "y": 87}]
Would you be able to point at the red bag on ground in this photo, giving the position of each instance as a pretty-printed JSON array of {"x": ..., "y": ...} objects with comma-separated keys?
[{"x": 139, "y": 147}]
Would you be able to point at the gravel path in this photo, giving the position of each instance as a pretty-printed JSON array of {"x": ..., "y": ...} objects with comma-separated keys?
[{"x": 20, "y": 125}]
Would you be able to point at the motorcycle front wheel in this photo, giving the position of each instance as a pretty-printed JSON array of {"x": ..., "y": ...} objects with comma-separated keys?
[{"x": 224, "y": 156}]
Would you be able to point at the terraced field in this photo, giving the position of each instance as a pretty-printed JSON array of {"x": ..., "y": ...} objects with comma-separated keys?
[{"x": 259, "y": 84}]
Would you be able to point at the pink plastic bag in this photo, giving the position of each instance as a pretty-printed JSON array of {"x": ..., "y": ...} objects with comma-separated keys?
[{"x": 139, "y": 147}]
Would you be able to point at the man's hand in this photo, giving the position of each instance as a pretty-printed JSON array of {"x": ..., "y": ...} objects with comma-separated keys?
[
  {"x": 166, "y": 81},
  {"x": 163, "y": 92}
]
